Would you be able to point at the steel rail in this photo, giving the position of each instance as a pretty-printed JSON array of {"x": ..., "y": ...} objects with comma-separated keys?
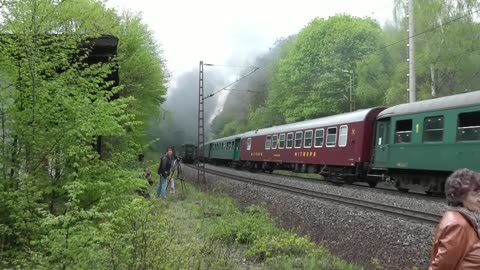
[{"x": 424, "y": 217}]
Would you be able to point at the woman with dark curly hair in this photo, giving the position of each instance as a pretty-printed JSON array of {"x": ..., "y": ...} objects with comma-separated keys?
[{"x": 457, "y": 240}]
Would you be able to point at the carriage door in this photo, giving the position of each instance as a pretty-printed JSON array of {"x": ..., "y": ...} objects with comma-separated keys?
[
  {"x": 381, "y": 143},
  {"x": 236, "y": 149}
]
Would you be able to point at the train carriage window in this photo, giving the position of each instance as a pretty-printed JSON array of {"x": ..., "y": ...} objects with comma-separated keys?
[
  {"x": 308, "y": 139},
  {"x": 403, "y": 131},
  {"x": 468, "y": 127},
  {"x": 433, "y": 129},
  {"x": 274, "y": 141},
  {"x": 268, "y": 142},
  {"x": 319, "y": 137},
  {"x": 331, "y": 136},
  {"x": 249, "y": 144},
  {"x": 224, "y": 146},
  {"x": 281, "y": 141},
  {"x": 298, "y": 139},
  {"x": 290, "y": 140},
  {"x": 342, "y": 140}
]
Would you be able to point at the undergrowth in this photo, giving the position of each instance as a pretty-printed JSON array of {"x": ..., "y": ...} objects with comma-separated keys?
[{"x": 265, "y": 245}]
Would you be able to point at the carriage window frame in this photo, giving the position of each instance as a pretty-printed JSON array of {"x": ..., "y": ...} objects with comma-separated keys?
[
  {"x": 463, "y": 128},
  {"x": 281, "y": 143},
  {"x": 428, "y": 130},
  {"x": 274, "y": 141},
  {"x": 289, "y": 141},
  {"x": 317, "y": 137},
  {"x": 306, "y": 138},
  {"x": 249, "y": 144},
  {"x": 340, "y": 136},
  {"x": 300, "y": 139},
  {"x": 403, "y": 131},
  {"x": 334, "y": 143},
  {"x": 268, "y": 142}
]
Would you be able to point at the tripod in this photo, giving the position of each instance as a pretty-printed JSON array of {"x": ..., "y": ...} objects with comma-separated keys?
[{"x": 177, "y": 172}]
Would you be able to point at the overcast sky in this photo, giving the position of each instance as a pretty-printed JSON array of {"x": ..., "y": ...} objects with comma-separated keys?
[{"x": 224, "y": 31}]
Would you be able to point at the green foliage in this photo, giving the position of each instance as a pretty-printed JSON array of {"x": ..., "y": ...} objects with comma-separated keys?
[
  {"x": 285, "y": 244},
  {"x": 311, "y": 74},
  {"x": 304, "y": 78},
  {"x": 243, "y": 228},
  {"x": 63, "y": 205},
  {"x": 276, "y": 248},
  {"x": 312, "y": 261},
  {"x": 142, "y": 71}
]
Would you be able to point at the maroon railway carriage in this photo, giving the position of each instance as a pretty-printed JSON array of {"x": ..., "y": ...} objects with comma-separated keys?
[{"x": 338, "y": 147}]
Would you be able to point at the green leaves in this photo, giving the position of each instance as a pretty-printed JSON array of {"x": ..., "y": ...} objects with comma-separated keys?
[
  {"x": 63, "y": 204},
  {"x": 307, "y": 81}
]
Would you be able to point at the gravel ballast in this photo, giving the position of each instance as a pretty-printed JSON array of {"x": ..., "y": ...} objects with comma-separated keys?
[
  {"x": 352, "y": 233},
  {"x": 405, "y": 200}
]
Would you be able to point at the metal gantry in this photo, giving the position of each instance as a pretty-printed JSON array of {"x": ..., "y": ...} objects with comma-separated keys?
[
  {"x": 201, "y": 129},
  {"x": 201, "y": 178}
]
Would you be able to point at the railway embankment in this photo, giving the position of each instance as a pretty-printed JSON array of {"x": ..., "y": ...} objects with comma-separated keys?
[{"x": 356, "y": 234}]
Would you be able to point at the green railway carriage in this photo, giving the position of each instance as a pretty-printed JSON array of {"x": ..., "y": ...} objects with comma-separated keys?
[
  {"x": 188, "y": 152},
  {"x": 224, "y": 149},
  {"x": 419, "y": 144}
]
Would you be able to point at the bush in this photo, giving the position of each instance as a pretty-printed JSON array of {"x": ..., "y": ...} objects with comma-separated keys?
[
  {"x": 243, "y": 228},
  {"x": 317, "y": 260},
  {"x": 283, "y": 244}
]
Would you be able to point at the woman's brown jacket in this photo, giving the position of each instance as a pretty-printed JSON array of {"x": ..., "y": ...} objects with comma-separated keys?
[{"x": 456, "y": 245}]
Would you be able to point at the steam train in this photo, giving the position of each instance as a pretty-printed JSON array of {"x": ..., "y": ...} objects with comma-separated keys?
[
  {"x": 188, "y": 152},
  {"x": 414, "y": 145}
]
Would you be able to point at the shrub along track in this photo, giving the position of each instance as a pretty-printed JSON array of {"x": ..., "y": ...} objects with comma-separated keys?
[{"x": 409, "y": 214}]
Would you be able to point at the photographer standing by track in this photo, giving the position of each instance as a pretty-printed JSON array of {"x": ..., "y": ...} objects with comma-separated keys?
[{"x": 164, "y": 171}]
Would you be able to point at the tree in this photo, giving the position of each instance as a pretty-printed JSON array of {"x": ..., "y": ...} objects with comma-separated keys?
[
  {"x": 447, "y": 45},
  {"x": 142, "y": 71},
  {"x": 56, "y": 194},
  {"x": 309, "y": 81}
]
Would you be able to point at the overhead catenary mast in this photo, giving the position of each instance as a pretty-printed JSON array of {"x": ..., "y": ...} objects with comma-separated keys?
[{"x": 411, "y": 53}]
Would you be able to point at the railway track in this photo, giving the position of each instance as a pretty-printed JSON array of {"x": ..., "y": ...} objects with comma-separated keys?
[
  {"x": 384, "y": 208},
  {"x": 385, "y": 190}
]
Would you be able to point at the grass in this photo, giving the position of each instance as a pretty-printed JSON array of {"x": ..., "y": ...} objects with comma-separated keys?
[{"x": 214, "y": 234}]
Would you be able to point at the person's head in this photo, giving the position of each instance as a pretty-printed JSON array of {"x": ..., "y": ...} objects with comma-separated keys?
[
  {"x": 169, "y": 151},
  {"x": 462, "y": 188}
]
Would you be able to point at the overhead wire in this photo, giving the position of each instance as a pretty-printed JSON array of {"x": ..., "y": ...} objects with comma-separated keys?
[{"x": 234, "y": 82}]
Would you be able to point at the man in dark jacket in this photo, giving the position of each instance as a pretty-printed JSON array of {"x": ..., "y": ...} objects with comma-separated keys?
[{"x": 164, "y": 171}]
